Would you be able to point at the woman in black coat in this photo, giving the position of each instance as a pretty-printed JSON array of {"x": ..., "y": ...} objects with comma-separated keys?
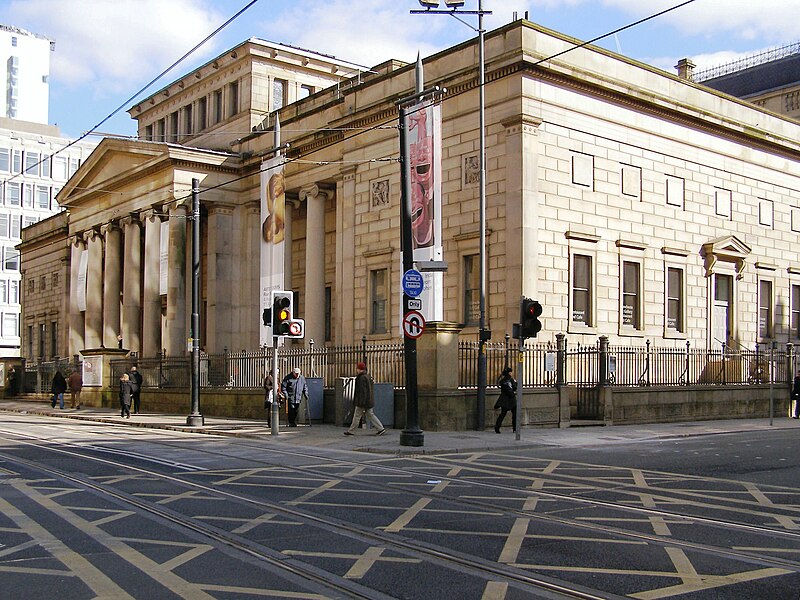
[
  {"x": 507, "y": 402},
  {"x": 125, "y": 396},
  {"x": 57, "y": 388}
]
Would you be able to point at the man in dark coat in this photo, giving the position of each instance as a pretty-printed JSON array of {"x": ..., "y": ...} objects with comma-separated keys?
[
  {"x": 507, "y": 402},
  {"x": 57, "y": 388},
  {"x": 293, "y": 389},
  {"x": 364, "y": 401},
  {"x": 136, "y": 386}
]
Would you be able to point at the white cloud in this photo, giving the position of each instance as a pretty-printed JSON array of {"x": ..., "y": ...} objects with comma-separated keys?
[{"x": 113, "y": 46}]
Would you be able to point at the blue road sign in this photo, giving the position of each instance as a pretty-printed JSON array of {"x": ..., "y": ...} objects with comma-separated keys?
[{"x": 413, "y": 283}]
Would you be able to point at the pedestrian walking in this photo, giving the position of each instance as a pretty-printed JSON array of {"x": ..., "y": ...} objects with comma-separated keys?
[
  {"x": 57, "y": 388},
  {"x": 125, "y": 396},
  {"x": 507, "y": 402},
  {"x": 269, "y": 396},
  {"x": 75, "y": 384},
  {"x": 795, "y": 396},
  {"x": 136, "y": 388},
  {"x": 293, "y": 390},
  {"x": 12, "y": 382},
  {"x": 364, "y": 401}
]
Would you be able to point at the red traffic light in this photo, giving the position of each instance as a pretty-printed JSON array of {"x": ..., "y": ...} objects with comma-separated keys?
[{"x": 530, "y": 311}]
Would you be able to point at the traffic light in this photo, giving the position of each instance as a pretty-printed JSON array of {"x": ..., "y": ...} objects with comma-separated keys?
[
  {"x": 266, "y": 316},
  {"x": 283, "y": 322},
  {"x": 530, "y": 311}
]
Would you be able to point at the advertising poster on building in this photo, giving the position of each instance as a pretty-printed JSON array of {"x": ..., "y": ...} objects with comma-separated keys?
[
  {"x": 83, "y": 266},
  {"x": 273, "y": 233},
  {"x": 424, "y": 134},
  {"x": 93, "y": 371}
]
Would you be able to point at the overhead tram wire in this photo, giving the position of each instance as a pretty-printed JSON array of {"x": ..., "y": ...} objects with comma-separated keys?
[
  {"x": 385, "y": 124},
  {"x": 141, "y": 90}
]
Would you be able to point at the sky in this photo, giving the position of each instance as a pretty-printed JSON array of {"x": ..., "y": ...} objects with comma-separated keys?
[{"x": 108, "y": 50}]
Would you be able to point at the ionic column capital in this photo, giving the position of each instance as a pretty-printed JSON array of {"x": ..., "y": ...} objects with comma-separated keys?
[
  {"x": 131, "y": 219},
  {"x": 314, "y": 191},
  {"x": 151, "y": 215},
  {"x": 109, "y": 227},
  {"x": 91, "y": 234}
]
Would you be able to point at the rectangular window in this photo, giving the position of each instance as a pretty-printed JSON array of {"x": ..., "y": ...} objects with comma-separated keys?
[
  {"x": 45, "y": 166},
  {"x": 582, "y": 289},
  {"x": 10, "y": 324},
  {"x": 27, "y": 195},
  {"x": 4, "y": 225},
  {"x": 14, "y": 194},
  {"x": 13, "y": 292},
  {"x": 16, "y": 226},
  {"x": 278, "y": 93},
  {"x": 43, "y": 197},
  {"x": 233, "y": 98},
  {"x": 3, "y": 291},
  {"x": 5, "y": 160},
  {"x": 795, "y": 316},
  {"x": 74, "y": 165},
  {"x": 472, "y": 303},
  {"x": 28, "y": 220},
  {"x": 30, "y": 341},
  {"x": 765, "y": 309},
  {"x": 630, "y": 294},
  {"x": 675, "y": 299},
  {"x": 60, "y": 168},
  {"x": 32, "y": 163},
  {"x": 148, "y": 132},
  {"x": 11, "y": 259},
  {"x": 53, "y": 338},
  {"x": 161, "y": 130},
  {"x": 378, "y": 300},
  {"x": 723, "y": 205},
  {"x": 16, "y": 161},
  {"x": 42, "y": 339}
]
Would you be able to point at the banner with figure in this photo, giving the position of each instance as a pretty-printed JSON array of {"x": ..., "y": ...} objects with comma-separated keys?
[
  {"x": 273, "y": 207},
  {"x": 424, "y": 134}
]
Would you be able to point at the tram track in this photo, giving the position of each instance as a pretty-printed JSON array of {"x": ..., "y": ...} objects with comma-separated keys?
[{"x": 549, "y": 588}]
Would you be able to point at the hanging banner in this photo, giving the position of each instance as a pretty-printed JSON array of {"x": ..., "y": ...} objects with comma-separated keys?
[
  {"x": 424, "y": 129},
  {"x": 273, "y": 233},
  {"x": 83, "y": 266},
  {"x": 163, "y": 259}
]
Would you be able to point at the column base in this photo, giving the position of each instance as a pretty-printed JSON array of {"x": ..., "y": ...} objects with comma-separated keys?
[
  {"x": 414, "y": 438},
  {"x": 195, "y": 421}
]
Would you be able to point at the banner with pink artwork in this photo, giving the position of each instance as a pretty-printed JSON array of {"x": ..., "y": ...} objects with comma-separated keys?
[{"x": 272, "y": 235}]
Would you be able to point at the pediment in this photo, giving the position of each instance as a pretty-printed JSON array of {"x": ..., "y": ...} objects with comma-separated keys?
[{"x": 729, "y": 249}]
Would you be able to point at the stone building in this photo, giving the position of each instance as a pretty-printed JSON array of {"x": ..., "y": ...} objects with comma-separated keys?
[{"x": 632, "y": 203}]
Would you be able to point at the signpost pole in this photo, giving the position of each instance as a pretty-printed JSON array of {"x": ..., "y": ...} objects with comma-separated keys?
[{"x": 412, "y": 435}]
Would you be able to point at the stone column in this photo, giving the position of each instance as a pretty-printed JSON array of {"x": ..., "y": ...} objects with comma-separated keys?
[
  {"x": 292, "y": 203},
  {"x": 344, "y": 328},
  {"x": 76, "y": 325},
  {"x": 249, "y": 294},
  {"x": 314, "y": 301},
  {"x": 221, "y": 280},
  {"x": 176, "y": 281},
  {"x": 93, "y": 333},
  {"x": 132, "y": 285},
  {"x": 112, "y": 283},
  {"x": 151, "y": 309}
]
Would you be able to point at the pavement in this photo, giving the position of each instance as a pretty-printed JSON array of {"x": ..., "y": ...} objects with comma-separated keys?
[{"x": 434, "y": 442}]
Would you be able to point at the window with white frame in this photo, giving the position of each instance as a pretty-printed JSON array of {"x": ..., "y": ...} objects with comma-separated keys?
[
  {"x": 5, "y": 160},
  {"x": 28, "y": 220},
  {"x": 60, "y": 167},
  {"x": 44, "y": 168},
  {"x": 379, "y": 297},
  {"x": 4, "y": 225},
  {"x": 10, "y": 259},
  {"x": 765, "y": 312},
  {"x": 27, "y": 195},
  {"x": 16, "y": 226},
  {"x": 3, "y": 291},
  {"x": 16, "y": 161},
  {"x": 631, "y": 294},
  {"x": 794, "y": 317},
  {"x": 675, "y": 299},
  {"x": 472, "y": 307},
  {"x": 581, "y": 286},
  {"x": 74, "y": 164},
  {"x": 766, "y": 210},
  {"x": 13, "y": 291},
  {"x": 43, "y": 197},
  {"x": 13, "y": 193},
  {"x": 31, "y": 163},
  {"x": 10, "y": 324}
]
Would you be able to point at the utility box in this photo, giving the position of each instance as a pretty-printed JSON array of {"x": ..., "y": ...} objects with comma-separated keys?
[
  {"x": 343, "y": 410},
  {"x": 316, "y": 393},
  {"x": 384, "y": 403}
]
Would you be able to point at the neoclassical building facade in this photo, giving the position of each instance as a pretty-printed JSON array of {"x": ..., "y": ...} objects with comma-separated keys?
[{"x": 632, "y": 203}]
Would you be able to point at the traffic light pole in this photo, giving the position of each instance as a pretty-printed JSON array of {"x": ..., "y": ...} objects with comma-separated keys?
[{"x": 275, "y": 408}]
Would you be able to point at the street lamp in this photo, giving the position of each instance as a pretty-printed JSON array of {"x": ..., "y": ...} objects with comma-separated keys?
[{"x": 484, "y": 335}]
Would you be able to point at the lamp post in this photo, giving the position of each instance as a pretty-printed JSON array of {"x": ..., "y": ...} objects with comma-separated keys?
[{"x": 484, "y": 335}]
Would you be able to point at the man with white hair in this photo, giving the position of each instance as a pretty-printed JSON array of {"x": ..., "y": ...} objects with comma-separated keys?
[{"x": 293, "y": 389}]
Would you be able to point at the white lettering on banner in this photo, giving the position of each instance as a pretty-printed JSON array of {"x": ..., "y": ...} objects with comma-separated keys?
[{"x": 83, "y": 266}]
